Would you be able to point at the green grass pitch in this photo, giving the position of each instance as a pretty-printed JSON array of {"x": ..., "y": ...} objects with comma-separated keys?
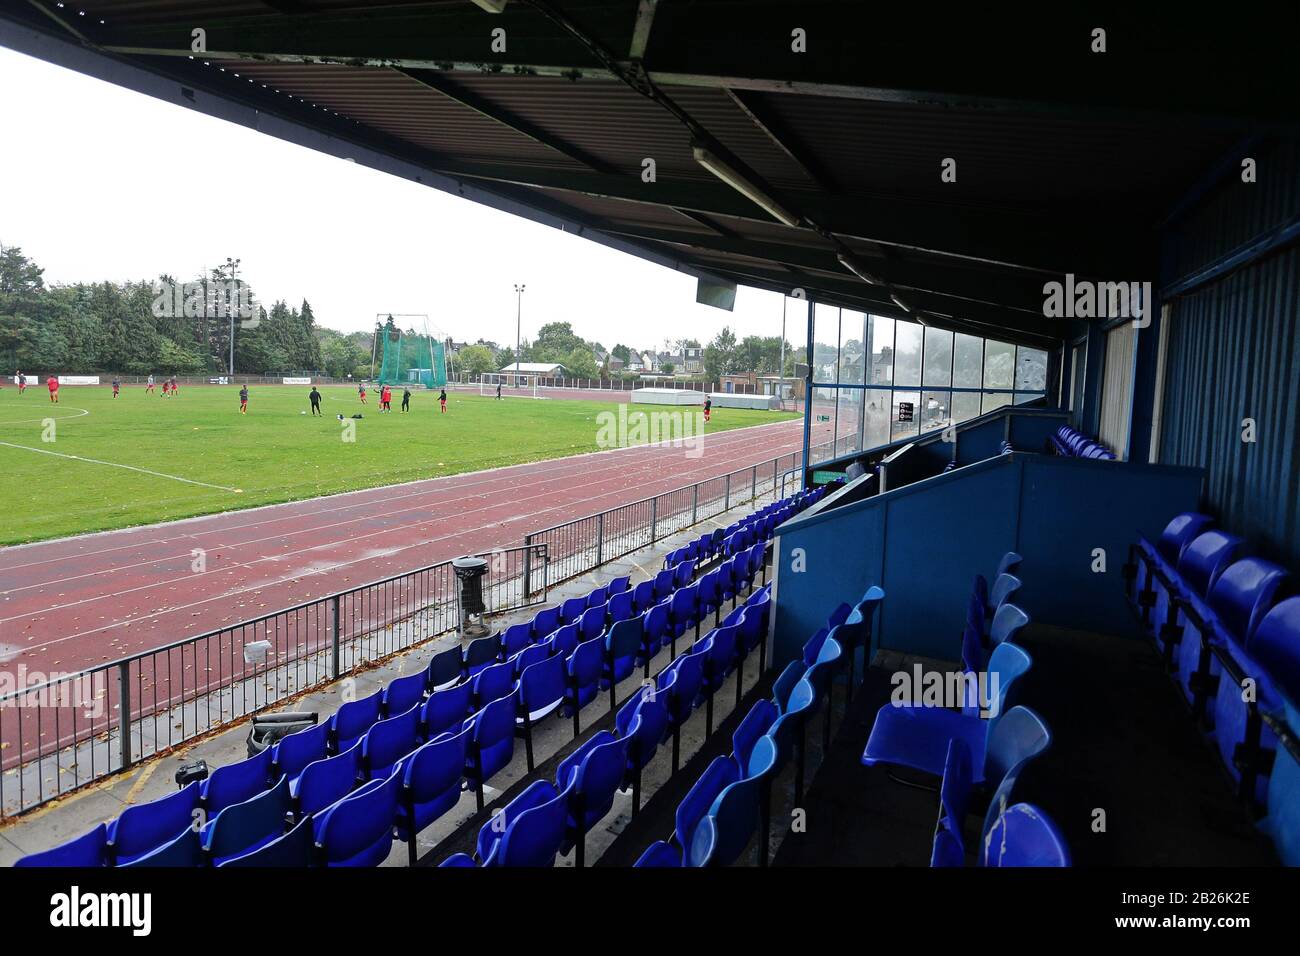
[{"x": 273, "y": 454}]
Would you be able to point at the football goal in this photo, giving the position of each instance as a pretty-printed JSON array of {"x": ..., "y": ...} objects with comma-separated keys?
[{"x": 512, "y": 386}]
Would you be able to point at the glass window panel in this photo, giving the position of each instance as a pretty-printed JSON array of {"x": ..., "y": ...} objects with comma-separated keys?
[
  {"x": 1022, "y": 397},
  {"x": 826, "y": 344},
  {"x": 899, "y": 430},
  {"x": 1031, "y": 369},
  {"x": 994, "y": 400},
  {"x": 907, "y": 354},
  {"x": 853, "y": 356},
  {"x": 881, "y": 331},
  {"x": 938, "y": 357},
  {"x": 877, "y": 414},
  {"x": 968, "y": 361},
  {"x": 934, "y": 410},
  {"x": 848, "y": 421},
  {"x": 965, "y": 405},
  {"x": 999, "y": 364}
]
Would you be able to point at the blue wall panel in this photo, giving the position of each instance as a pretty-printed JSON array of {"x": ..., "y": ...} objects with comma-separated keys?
[{"x": 925, "y": 542}]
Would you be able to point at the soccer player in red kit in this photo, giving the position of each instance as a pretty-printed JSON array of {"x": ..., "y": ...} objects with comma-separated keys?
[{"x": 53, "y": 383}]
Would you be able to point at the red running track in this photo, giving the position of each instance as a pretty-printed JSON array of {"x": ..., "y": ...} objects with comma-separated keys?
[{"x": 79, "y": 602}]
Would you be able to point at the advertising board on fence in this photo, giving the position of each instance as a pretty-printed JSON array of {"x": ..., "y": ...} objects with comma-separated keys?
[
  {"x": 78, "y": 379},
  {"x": 297, "y": 381}
]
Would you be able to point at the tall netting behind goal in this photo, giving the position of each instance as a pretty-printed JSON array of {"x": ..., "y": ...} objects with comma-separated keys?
[{"x": 410, "y": 356}]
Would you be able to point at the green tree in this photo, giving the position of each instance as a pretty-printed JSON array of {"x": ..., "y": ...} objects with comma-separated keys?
[
  {"x": 555, "y": 342},
  {"x": 720, "y": 355},
  {"x": 476, "y": 360},
  {"x": 580, "y": 363}
]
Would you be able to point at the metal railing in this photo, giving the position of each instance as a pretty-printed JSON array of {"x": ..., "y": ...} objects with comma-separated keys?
[
  {"x": 578, "y": 546},
  {"x": 62, "y": 731}
]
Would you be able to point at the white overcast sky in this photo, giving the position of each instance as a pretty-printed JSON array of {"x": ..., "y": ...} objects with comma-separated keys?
[{"x": 98, "y": 182}]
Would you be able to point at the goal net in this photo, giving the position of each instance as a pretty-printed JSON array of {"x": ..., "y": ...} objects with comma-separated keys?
[
  {"x": 523, "y": 386},
  {"x": 408, "y": 354}
]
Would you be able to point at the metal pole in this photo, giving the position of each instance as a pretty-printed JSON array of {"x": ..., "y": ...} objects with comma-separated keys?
[
  {"x": 654, "y": 518},
  {"x": 519, "y": 311},
  {"x": 124, "y": 708},
  {"x": 780, "y": 385},
  {"x": 528, "y": 565},
  {"x": 600, "y": 539},
  {"x": 695, "y": 502},
  {"x": 335, "y": 634},
  {"x": 808, "y": 398}
]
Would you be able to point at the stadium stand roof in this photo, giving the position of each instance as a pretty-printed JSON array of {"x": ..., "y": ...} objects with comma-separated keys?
[{"x": 818, "y": 170}]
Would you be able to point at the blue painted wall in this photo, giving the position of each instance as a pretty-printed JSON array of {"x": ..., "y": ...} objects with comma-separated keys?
[{"x": 924, "y": 543}]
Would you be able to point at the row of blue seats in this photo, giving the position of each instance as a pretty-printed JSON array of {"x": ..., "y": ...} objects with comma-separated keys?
[
  {"x": 759, "y": 525},
  {"x": 459, "y": 683},
  {"x": 732, "y": 799},
  {"x": 551, "y": 818},
  {"x": 1072, "y": 443},
  {"x": 984, "y": 746},
  {"x": 1231, "y": 641}
]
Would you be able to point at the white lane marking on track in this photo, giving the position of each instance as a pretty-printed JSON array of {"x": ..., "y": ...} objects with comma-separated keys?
[{"x": 114, "y": 464}]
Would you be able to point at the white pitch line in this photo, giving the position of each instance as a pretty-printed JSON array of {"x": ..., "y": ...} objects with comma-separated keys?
[
  {"x": 114, "y": 464},
  {"x": 82, "y": 413}
]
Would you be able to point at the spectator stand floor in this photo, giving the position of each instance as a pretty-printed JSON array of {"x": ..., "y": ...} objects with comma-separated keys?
[{"x": 1123, "y": 743}]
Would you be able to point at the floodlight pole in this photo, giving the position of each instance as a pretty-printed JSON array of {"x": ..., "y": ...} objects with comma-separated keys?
[
  {"x": 780, "y": 385},
  {"x": 519, "y": 311},
  {"x": 233, "y": 266}
]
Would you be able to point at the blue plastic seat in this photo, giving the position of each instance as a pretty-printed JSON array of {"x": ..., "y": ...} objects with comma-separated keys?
[
  {"x": 564, "y": 641},
  {"x": 291, "y": 754},
  {"x": 88, "y": 850},
  {"x": 917, "y": 737},
  {"x": 684, "y": 613},
  {"x": 683, "y": 572},
  {"x": 295, "y": 849},
  {"x": 358, "y": 830},
  {"x": 654, "y": 631},
  {"x": 431, "y": 785},
  {"x": 1205, "y": 558},
  {"x": 458, "y": 860},
  {"x": 592, "y": 623},
  {"x": 643, "y": 595},
  {"x": 695, "y": 806},
  {"x": 754, "y": 725},
  {"x": 720, "y": 660},
  {"x": 1283, "y": 821},
  {"x": 664, "y": 584},
  {"x": 726, "y": 830},
  {"x": 545, "y": 622},
  {"x": 352, "y": 720},
  {"x": 785, "y": 683},
  {"x": 528, "y": 831},
  {"x": 620, "y": 607},
  {"x": 585, "y": 666},
  {"x": 244, "y": 827},
  {"x": 622, "y": 645},
  {"x": 643, "y": 722},
  {"x": 619, "y": 585},
  {"x": 493, "y": 683},
  {"x": 572, "y": 609},
  {"x": 590, "y": 776},
  {"x": 1024, "y": 836},
  {"x": 515, "y": 638},
  {"x": 480, "y": 654},
  {"x": 387, "y": 742},
  {"x": 445, "y": 669},
  {"x": 541, "y": 692},
  {"x": 678, "y": 686},
  {"x": 143, "y": 828},
  {"x": 532, "y": 655},
  {"x": 185, "y": 850},
  {"x": 403, "y": 693},
  {"x": 954, "y": 801},
  {"x": 709, "y": 597},
  {"x": 236, "y": 782},
  {"x": 445, "y": 710},
  {"x": 325, "y": 782},
  {"x": 491, "y": 744},
  {"x": 598, "y": 596}
]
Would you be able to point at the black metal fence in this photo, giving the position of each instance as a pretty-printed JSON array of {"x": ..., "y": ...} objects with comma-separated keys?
[
  {"x": 61, "y": 731},
  {"x": 576, "y": 547}
]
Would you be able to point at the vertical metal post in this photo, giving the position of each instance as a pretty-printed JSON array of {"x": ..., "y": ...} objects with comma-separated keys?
[
  {"x": 808, "y": 399},
  {"x": 336, "y": 631},
  {"x": 753, "y": 483},
  {"x": 727, "y": 505},
  {"x": 528, "y": 565},
  {"x": 654, "y": 518},
  {"x": 600, "y": 539},
  {"x": 695, "y": 502},
  {"x": 124, "y": 711}
]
